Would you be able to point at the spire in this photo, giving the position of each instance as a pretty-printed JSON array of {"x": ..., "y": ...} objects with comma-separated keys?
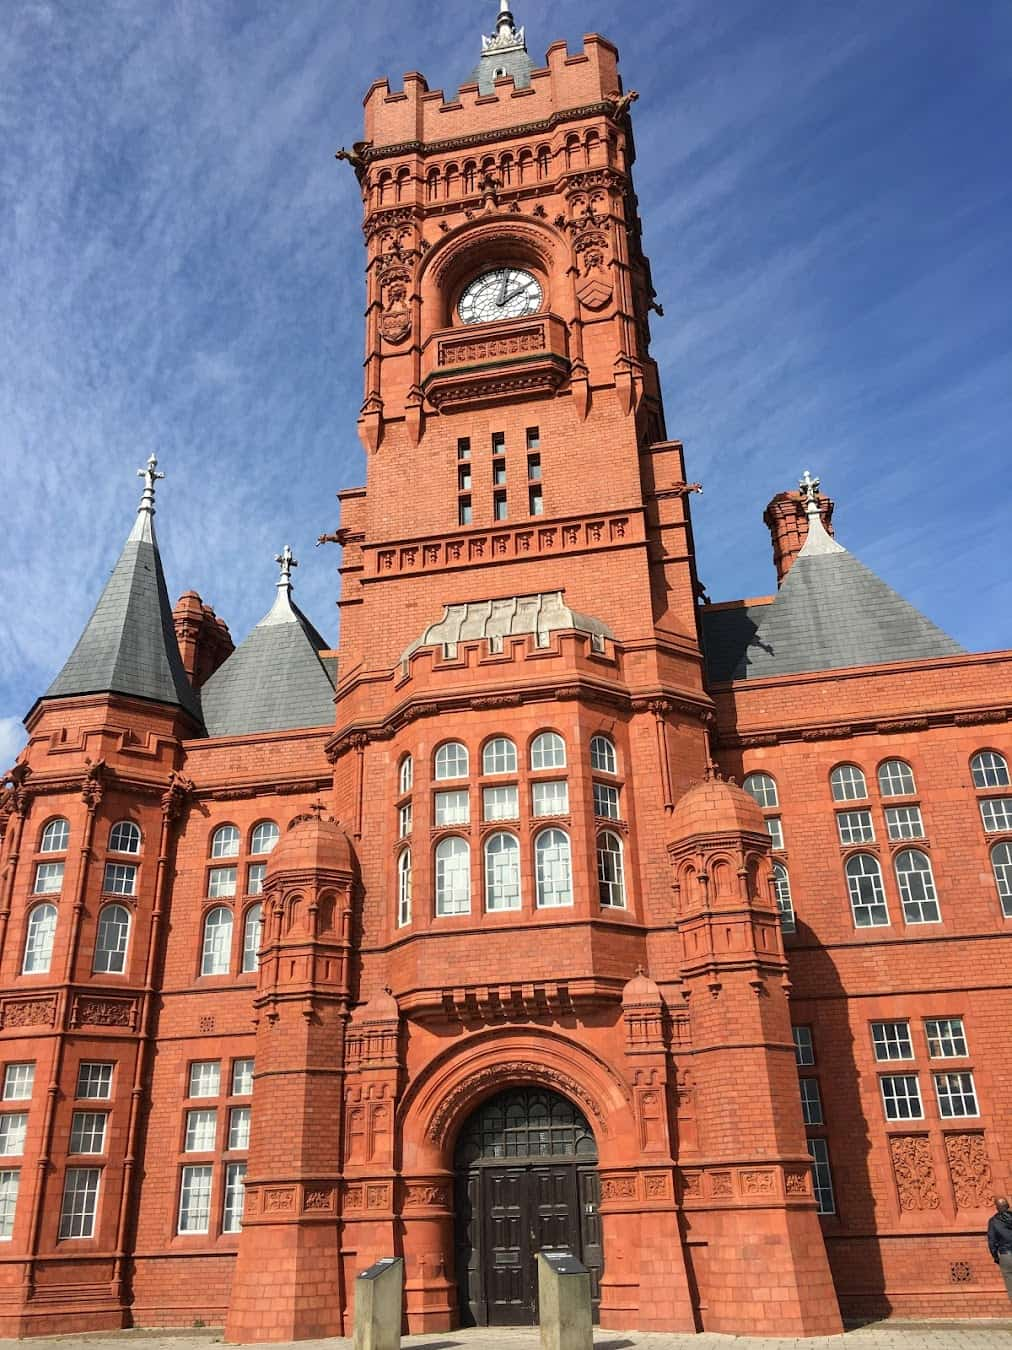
[
  {"x": 817, "y": 541},
  {"x": 503, "y": 53},
  {"x": 129, "y": 644},
  {"x": 283, "y": 610}
]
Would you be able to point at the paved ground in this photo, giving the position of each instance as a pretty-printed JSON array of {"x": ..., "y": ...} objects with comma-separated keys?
[{"x": 880, "y": 1336}]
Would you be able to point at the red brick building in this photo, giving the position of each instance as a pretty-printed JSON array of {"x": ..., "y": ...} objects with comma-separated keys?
[{"x": 462, "y": 941}]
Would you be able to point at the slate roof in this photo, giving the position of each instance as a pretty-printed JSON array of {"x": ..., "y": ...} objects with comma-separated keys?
[
  {"x": 275, "y": 680},
  {"x": 504, "y": 53},
  {"x": 830, "y": 613},
  {"x": 129, "y": 644},
  {"x": 540, "y": 614}
]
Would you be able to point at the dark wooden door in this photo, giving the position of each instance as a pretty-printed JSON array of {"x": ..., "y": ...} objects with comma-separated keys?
[{"x": 527, "y": 1209}]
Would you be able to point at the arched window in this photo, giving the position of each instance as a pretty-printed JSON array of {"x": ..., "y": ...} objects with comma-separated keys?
[
  {"x": 451, "y": 761},
  {"x": 252, "y": 931},
  {"x": 55, "y": 837},
  {"x": 452, "y": 175},
  {"x": 385, "y": 187},
  {"x": 225, "y": 842},
  {"x": 470, "y": 169},
  {"x": 989, "y": 769},
  {"x": 592, "y": 142},
  {"x": 217, "y": 951},
  {"x": 847, "y": 783},
  {"x": 39, "y": 940},
  {"x": 125, "y": 837},
  {"x": 506, "y": 170},
  {"x": 406, "y": 774},
  {"x": 499, "y": 756},
  {"x": 403, "y": 181},
  {"x": 548, "y": 751},
  {"x": 525, "y": 166},
  {"x": 265, "y": 836},
  {"x": 762, "y": 788},
  {"x": 553, "y": 869},
  {"x": 544, "y": 161},
  {"x": 111, "y": 940},
  {"x": 404, "y": 889},
  {"x": 785, "y": 903},
  {"x": 432, "y": 185},
  {"x": 896, "y": 779},
  {"x": 502, "y": 872},
  {"x": 917, "y": 887},
  {"x": 1001, "y": 861},
  {"x": 453, "y": 876},
  {"x": 867, "y": 893},
  {"x": 573, "y": 155},
  {"x": 602, "y": 754},
  {"x": 610, "y": 872}
]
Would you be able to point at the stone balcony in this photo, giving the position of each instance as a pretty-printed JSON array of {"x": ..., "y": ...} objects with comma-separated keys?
[{"x": 493, "y": 360}]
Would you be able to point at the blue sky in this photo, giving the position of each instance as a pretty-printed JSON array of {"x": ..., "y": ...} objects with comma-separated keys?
[{"x": 828, "y": 209}]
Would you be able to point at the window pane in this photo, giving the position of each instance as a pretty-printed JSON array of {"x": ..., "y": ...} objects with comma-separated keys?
[
  {"x": 13, "y": 1126},
  {"x": 553, "y": 869},
  {"x": 606, "y": 801},
  {"x": 87, "y": 1132},
  {"x": 904, "y": 822},
  {"x": 404, "y": 821},
  {"x": 804, "y": 1046},
  {"x": 55, "y": 837},
  {"x": 989, "y": 769},
  {"x": 602, "y": 754},
  {"x": 762, "y": 788},
  {"x": 265, "y": 836},
  {"x": 452, "y": 808},
  {"x": 217, "y": 942},
  {"x": 111, "y": 940},
  {"x": 499, "y": 756},
  {"x": 917, "y": 887},
  {"x": 610, "y": 872},
  {"x": 552, "y": 798},
  {"x": 548, "y": 751},
  {"x": 775, "y": 830},
  {"x": 120, "y": 879},
  {"x": 1001, "y": 862},
  {"x": 242, "y": 1077},
  {"x": 821, "y": 1176},
  {"x": 48, "y": 878},
  {"x": 205, "y": 1078},
  {"x": 406, "y": 777},
  {"x": 201, "y": 1128},
  {"x": 80, "y": 1202},
  {"x": 19, "y": 1079},
  {"x": 94, "y": 1081},
  {"x": 811, "y": 1101},
  {"x": 39, "y": 940},
  {"x": 891, "y": 1040},
  {"x": 901, "y": 1097},
  {"x": 785, "y": 903},
  {"x": 502, "y": 872},
  {"x": 946, "y": 1037},
  {"x": 255, "y": 878},
  {"x": 9, "y": 1182},
  {"x": 501, "y": 803},
  {"x": 453, "y": 877},
  {"x": 251, "y": 937},
  {"x": 404, "y": 888},
  {"x": 225, "y": 842},
  {"x": 221, "y": 883},
  {"x": 956, "y": 1095},
  {"x": 996, "y": 813},
  {"x": 855, "y": 827},
  {"x": 896, "y": 778},
  {"x": 125, "y": 837},
  {"x": 847, "y": 783},
  {"x": 195, "y": 1200},
  {"x": 451, "y": 761},
  {"x": 867, "y": 894},
  {"x": 235, "y": 1176},
  {"x": 238, "y": 1127}
]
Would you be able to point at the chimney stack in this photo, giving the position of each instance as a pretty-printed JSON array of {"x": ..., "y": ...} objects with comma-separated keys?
[{"x": 788, "y": 527}]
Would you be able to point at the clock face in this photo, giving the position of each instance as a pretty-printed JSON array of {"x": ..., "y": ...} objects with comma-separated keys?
[{"x": 506, "y": 293}]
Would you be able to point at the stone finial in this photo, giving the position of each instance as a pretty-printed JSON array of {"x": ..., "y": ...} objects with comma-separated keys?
[
  {"x": 817, "y": 542},
  {"x": 151, "y": 476},
  {"x": 286, "y": 561},
  {"x": 809, "y": 488}
]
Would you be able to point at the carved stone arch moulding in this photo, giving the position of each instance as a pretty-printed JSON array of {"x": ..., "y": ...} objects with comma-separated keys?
[
  {"x": 484, "y": 243},
  {"x": 437, "y": 1104}
]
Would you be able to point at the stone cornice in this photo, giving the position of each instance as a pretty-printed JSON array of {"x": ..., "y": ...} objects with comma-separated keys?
[
  {"x": 373, "y": 154},
  {"x": 868, "y": 726}
]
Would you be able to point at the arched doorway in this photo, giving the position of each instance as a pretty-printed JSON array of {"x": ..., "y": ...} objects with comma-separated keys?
[{"x": 526, "y": 1180}]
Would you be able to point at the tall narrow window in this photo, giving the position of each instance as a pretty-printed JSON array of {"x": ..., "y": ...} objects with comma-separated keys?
[
  {"x": 535, "y": 501},
  {"x": 602, "y": 754},
  {"x": 242, "y": 1077},
  {"x": 48, "y": 878},
  {"x": 1001, "y": 863},
  {"x": 847, "y": 783},
  {"x": 498, "y": 442},
  {"x": 785, "y": 903},
  {"x": 406, "y": 774},
  {"x": 195, "y": 1200},
  {"x": 80, "y": 1202},
  {"x": 896, "y": 778},
  {"x": 499, "y": 756},
  {"x": 201, "y": 1131},
  {"x": 534, "y": 468},
  {"x": 404, "y": 889},
  {"x": 111, "y": 940},
  {"x": 917, "y": 887},
  {"x": 238, "y": 1128},
  {"x": 464, "y": 477},
  {"x": 39, "y": 940},
  {"x": 610, "y": 872},
  {"x": 822, "y": 1176},
  {"x": 9, "y": 1183},
  {"x": 255, "y": 874},
  {"x": 13, "y": 1127},
  {"x": 225, "y": 842},
  {"x": 502, "y": 872},
  {"x": 867, "y": 893},
  {"x": 405, "y": 817},
  {"x": 55, "y": 837},
  {"x": 205, "y": 1078},
  {"x": 235, "y": 1176},
  {"x": 87, "y": 1132},
  {"x": 500, "y": 506},
  {"x": 553, "y": 869},
  {"x": 775, "y": 830},
  {"x": 548, "y": 751},
  {"x": 762, "y": 788},
  {"x": 811, "y": 1101},
  {"x": 453, "y": 877},
  {"x": 804, "y": 1046},
  {"x": 464, "y": 511},
  {"x": 464, "y": 448},
  {"x": 606, "y": 801},
  {"x": 265, "y": 837},
  {"x": 217, "y": 948},
  {"x": 125, "y": 837},
  {"x": 533, "y": 438},
  {"x": 989, "y": 769},
  {"x": 251, "y": 936}
]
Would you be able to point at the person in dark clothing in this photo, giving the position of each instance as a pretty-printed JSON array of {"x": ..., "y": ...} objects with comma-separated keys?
[{"x": 999, "y": 1239}]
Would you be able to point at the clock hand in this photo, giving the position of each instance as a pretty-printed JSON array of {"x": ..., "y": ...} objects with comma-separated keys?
[
  {"x": 512, "y": 296},
  {"x": 502, "y": 290}
]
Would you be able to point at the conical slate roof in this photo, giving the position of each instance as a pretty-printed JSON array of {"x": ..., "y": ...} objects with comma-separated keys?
[
  {"x": 276, "y": 679},
  {"x": 504, "y": 53},
  {"x": 129, "y": 644},
  {"x": 832, "y": 612}
]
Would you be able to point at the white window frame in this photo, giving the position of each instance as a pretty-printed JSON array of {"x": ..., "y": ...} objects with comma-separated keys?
[
  {"x": 847, "y": 783},
  {"x": 79, "y": 1207},
  {"x": 94, "y": 1081},
  {"x": 235, "y": 1197},
  {"x": 13, "y": 1129},
  {"x": 811, "y": 1101},
  {"x": 264, "y": 839},
  {"x": 610, "y": 870},
  {"x": 112, "y": 940},
  {"x": 918, "y": 894},
  {"x": 548, "y": 751},
  {"x": 451, "y": 808},
  {"x": 48, "y": 878},
  {"x": 10, "y": 1183},
  {"x": 804, "y": 1046},
  {"x": 762, "y": 788},
  {"x": 452, "y": 762},
  {"x": 1002, "y": 869},
  {"x": 252, "y": 937},
  {"x": 40, "y": 939},
  {"x": 549, "y": 797},
  {"x": 956, "y": 1089},
  {"x": 19, "y": 1081},
  {"x": 855, "y": 827},
  {"x": 901, "y": 1096},
  {"x": 904, "y": 822},
  {"x": 784, "y": 899},
  {"x": 989, "y": 769},
  {"x": 125, "y": 837},
  {"x": 240, "y": 1118},
  {"x": 498, "y": 757},
  {"x": 201, "y": 1130},
  {"x": 55, "y": 836},
  {"x": 405, "y": 820},
  {"x": 775, "y": 830},
  {"x": 226, "y": 842},
  {"x": 891, "y": 1040},
  {"x": 501, "y": 802},
  {"x": 893, "y": 777},
  {"x": 997, "y": 810},
  {"x": 204, "y": 1079},
  {"x": 946, "y": 1037},
  {"x": 242, "y": 1076},
  {"x": 255, "y": 874},
  {"x": 216, "y": 948},
  {"x": 603, "y": 754},
  {"x": 195, "y": 1199},
  {"x": 822, "y": 1176},
  {"x": 405, "y": 886},
  {"x": 501, "y": 853},
  {"x": 119, "y": 879},
  {"x": 607, "y": 803},
  {"x": 406, "y": 775},
  {"x": 88, "y": 1131},
  {"x": 222, "y": 882},
  {"x": 867, "y": 912},
  {"x": 453, "y": 876},
  {"x": 553, "y": 875}
]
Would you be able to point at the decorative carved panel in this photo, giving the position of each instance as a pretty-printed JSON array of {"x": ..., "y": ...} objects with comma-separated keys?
[
  {"x": 970, "y": 1170},
  {"x": 28, "y": 1012},
  {"x": 914, "y": 1172}
]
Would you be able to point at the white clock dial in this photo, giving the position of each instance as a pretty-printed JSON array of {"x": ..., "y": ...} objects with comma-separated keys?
[{"x": 505, "y": 293}]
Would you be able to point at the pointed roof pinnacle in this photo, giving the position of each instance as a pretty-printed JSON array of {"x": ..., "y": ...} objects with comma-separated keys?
[
  {"x": 144, "y": 524},
  {"x": 818, "y": 541},
  {"x": 282, "y": 611},
  {"x": 507, "y": 36}
]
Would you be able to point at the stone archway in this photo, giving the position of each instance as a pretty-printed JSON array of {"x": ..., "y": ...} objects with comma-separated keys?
[{"x": 525, "y": 1180}]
